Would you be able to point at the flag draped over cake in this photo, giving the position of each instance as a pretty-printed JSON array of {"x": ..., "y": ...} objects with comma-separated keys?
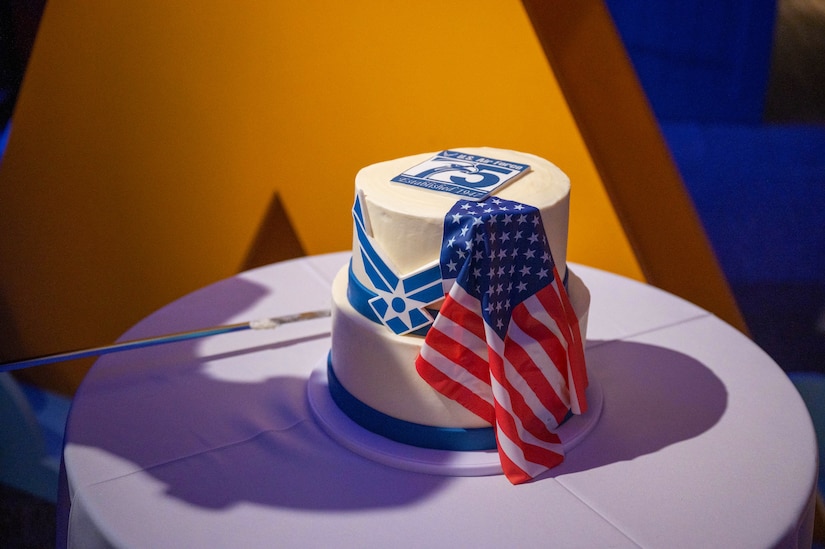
[{"x": 506, "y": 343}]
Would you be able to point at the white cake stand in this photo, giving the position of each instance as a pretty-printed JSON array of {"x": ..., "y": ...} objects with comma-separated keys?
[{"x": 425, "y": 460}]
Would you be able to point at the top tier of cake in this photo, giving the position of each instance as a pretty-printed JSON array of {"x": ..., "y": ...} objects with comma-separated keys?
[{"x": 407, "y": 222}]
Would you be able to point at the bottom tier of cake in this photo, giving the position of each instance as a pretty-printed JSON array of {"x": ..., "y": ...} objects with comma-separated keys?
[{"x": 377, "y": 367}]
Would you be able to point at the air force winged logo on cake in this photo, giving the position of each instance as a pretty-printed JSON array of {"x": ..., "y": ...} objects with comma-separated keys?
[
  {"x": 399, "y": 301},
  {"x": 469, "y": 176}
]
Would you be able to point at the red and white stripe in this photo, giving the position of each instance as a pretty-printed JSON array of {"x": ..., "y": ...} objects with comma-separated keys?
[{"x": 523, "y": 385}]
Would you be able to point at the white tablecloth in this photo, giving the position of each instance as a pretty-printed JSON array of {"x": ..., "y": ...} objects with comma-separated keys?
[{"x": 702, "y": 440}]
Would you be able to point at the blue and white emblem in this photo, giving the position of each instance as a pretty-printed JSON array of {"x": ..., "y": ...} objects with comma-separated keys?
[
  {"x": 470, "y": 176},
  {"x": 400, "y": 300}
]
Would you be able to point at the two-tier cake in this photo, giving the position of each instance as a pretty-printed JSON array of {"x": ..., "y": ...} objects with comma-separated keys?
[{"x": 457, "y": 324}]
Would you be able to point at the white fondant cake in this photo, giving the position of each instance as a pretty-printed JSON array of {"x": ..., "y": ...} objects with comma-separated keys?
[{"x": 406, "y": 224}]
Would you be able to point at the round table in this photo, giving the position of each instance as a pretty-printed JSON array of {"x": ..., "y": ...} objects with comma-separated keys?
[{"x": 702, "y": 440}]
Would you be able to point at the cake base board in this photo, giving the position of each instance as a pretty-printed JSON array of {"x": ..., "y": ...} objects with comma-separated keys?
[{"x": 382, "y": 450}]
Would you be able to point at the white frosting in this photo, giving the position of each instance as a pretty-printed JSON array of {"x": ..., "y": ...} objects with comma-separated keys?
[{"x": 378, "y": 366}]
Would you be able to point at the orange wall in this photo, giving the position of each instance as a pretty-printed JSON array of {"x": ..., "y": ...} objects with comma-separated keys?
[{"x": 150, "y": 136}]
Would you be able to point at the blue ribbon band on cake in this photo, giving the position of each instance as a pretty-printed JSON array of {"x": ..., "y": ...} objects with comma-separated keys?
[{"x": 406, "y": 432}]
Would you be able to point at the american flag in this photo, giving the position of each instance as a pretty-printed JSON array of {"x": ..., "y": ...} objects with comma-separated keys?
[{"x": 506, "y": 343}]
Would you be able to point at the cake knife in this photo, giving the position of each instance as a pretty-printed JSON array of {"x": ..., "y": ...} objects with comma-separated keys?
[{"x": 260, "y": 324}]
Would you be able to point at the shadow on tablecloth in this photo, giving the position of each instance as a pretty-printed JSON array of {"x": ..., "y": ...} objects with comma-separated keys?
[{"x": 654, "y": 397}]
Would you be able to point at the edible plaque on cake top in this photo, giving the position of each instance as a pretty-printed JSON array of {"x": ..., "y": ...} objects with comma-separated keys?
[{"x": 470, "y": 176}]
